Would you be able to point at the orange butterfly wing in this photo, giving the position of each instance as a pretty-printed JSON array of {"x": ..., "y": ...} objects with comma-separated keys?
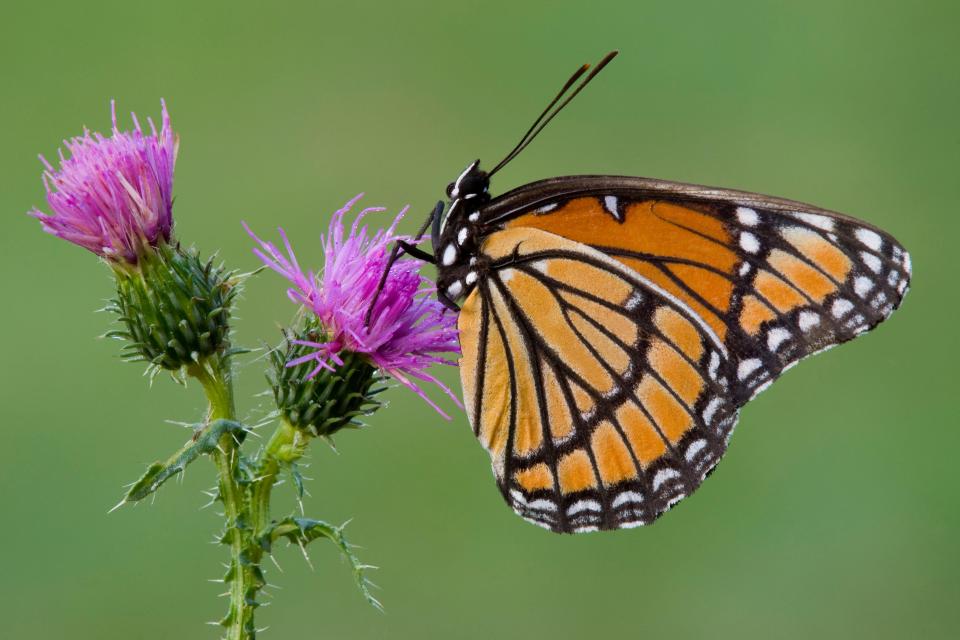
[
  {"x": 601, "y": 399},
  {"x": 776, "y": 280},
  {"x": 619, "y": 323}
]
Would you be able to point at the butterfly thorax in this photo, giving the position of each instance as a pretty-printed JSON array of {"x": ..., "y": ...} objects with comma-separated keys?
[{"x": 456, "y": 238}]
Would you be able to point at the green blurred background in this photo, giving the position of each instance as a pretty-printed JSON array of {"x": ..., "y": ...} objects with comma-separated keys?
[{"x": 835, "y": 513}]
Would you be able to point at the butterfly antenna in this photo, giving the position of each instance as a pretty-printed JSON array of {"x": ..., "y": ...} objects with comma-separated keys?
[
  {"x": 547, "y": 116},
  {"x": 576, "y": 75}
]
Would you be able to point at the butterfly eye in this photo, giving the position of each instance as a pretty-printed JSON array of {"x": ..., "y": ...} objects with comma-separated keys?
[{"x": 450, "y": 190}]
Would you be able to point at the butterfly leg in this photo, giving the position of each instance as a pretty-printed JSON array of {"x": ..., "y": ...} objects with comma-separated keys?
[
  {"x": 447, "y": 302},
  {"x": 409, "y": 248},
  {"x": 412, "y": 250}
]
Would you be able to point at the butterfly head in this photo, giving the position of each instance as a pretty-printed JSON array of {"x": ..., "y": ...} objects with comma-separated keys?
[{"x": 473, "y": 182}]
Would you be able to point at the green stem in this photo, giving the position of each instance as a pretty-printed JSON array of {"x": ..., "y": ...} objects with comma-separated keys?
[
  {"x": 286, "y": 445},
  {"x": 244, "y": 576}
]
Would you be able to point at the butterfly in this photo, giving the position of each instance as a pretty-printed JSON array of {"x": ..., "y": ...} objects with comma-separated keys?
[{"x": 612, "y": 327}]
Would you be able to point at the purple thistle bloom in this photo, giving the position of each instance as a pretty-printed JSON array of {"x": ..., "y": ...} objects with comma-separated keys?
[
  {"x": 113, "y": 196},
  {"x": 408, "y": 327}
]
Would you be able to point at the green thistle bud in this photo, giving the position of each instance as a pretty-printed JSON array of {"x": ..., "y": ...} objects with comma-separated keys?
[
  {"x": 175, "y": 308},
  {"x": 322, "y": 400}
]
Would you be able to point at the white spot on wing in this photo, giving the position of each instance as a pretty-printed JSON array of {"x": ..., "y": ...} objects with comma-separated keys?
[
  {"x": 542, "y": 505},
  {"x": 808, "y": 320},
  {"x": 815, "y": 220},
  {"x": 747, "y": 367},
  {"x": 744, "y": 269},
  {"x": 473, "y": 217},
  {"x": 841, "y": 307},
  {"x": 776, "y": 337},
  {"x": 714, "y": 365},
  {"x": 711, "y": 409},
  {"x": 537, "y": 505},
  {"x": 454, "y": 290},
  {"x": 747, "y": 216},
  {"x": 584, "y": 505},
  {"x": 610, "y": 204},
  {"x": 873, "y": 262},
  {"x": 870, "y": 238},
  {"x": 625, "y": 497},
  {"x": 694, "y": 448},
  {"x": 664, "y": 475},
  {"x": 749, "y": 242},
  {"x": 862, "y": 285},
  {"x": 471, "y": 277},
  {"x": 462, "y": 235}
]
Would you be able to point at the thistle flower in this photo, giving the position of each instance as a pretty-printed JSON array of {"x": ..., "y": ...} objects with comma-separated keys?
[
  {"x": 408, "y": 330},
  {"x": 113, "y": 196}
]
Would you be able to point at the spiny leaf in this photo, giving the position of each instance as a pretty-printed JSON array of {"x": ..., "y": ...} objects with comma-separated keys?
[
  {"x": 159, "y": 472},
  {"x": 303, "y": 531}
]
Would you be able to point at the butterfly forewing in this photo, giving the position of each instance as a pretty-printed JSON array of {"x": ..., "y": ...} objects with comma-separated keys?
[
  {"x": 776, "y": 280},
  {"x": 602, "y": 398}
]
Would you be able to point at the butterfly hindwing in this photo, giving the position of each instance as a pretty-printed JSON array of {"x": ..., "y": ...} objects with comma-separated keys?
[
  {"x": 776, "y": 280},
  {"x": 602, "y": 398}
]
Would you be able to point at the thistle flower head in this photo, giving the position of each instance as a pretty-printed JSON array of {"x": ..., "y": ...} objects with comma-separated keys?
[
  {"x": 408, "y": 329},
  {"x": 113, "y": 196}
]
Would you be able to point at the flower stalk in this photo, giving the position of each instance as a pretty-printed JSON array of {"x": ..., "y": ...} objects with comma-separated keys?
[
  {"x": 285, "y": 447},
  {"x": 243, "y": 576}
]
